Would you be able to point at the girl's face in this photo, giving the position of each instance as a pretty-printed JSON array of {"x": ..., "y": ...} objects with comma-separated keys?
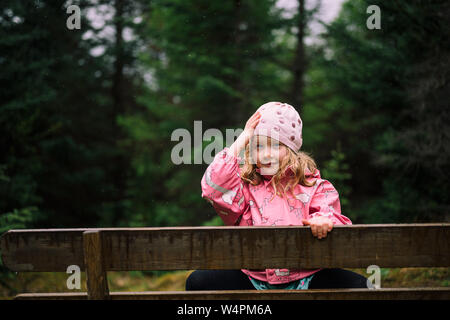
[{"x": 268, "y": 154}]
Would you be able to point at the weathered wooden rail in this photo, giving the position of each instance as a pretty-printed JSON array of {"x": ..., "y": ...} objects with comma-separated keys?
[{"x": 98, "y": 251}]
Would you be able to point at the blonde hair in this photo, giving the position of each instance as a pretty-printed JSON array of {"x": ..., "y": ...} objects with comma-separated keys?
[{"x": 299, "y": 162}]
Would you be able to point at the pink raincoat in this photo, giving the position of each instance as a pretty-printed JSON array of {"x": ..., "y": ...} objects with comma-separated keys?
[{"x": 239, "y": 203}]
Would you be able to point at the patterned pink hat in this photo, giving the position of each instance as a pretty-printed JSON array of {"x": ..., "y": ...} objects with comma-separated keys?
[{"x": 281, "y": 122}]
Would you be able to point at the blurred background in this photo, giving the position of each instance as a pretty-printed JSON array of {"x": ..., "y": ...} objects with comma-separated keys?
[{"x": 86, "y": 115}]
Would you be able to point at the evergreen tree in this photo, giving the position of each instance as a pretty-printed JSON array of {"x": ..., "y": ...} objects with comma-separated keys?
[
  {"x": 55, "y": 140},
  {"x": 382, "y": 92},
  {"x": 206, "y": 61}
]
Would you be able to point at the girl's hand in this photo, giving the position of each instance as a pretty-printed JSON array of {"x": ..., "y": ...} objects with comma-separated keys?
[
  {"x": 319, "y": 226},
  {"x": 251, "y": 125},
  {"x": 245, "y": 136}
]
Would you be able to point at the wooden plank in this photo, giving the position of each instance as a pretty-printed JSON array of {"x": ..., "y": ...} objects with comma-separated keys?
[
  {"x": 97, "y": 282},
  {"x": 312, "y": 294},
  {"x": 291, "y": 247},
  {"x": 187, "y": 248},
  {"x": 42, "y": 250},
  {"x": 52, "y": 296}
]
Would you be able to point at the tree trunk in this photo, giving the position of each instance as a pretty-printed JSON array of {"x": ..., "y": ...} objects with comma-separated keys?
[
  {"x": 120, "y": 165},
  {"x": 299, "y": 60},
  {"x": 238, "y": 37}
]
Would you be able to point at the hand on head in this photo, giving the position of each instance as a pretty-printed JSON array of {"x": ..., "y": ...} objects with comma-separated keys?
[{"x": 251, "y": 125}]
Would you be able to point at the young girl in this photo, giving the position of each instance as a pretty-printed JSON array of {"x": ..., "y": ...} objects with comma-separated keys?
[{"x": 278, "y": 185}]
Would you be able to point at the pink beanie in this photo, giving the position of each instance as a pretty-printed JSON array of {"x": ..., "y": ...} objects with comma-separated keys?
[{"x": 282, "y": 122}]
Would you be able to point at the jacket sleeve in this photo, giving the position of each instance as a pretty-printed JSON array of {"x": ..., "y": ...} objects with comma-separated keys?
[
  {"x": 325, "y": 203},
  {"x": 223, "y": 188}
]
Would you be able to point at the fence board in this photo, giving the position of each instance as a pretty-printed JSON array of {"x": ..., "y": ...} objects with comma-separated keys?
[
  {"x": 186, "y": 248},
  {"x": 311, "y": 294}
]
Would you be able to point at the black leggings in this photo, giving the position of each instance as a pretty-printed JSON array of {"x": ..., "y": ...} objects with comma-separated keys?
[{"x": 334, "y": 278}]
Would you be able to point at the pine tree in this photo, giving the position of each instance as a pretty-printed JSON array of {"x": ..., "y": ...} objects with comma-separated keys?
[
  {"x": 205, "y": 61},
  {"x": 383, "y": 92},
  {"x": 55, "y": 138}
]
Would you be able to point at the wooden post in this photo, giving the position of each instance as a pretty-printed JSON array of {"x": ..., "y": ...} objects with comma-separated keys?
[{"x": 97, "y": 282}]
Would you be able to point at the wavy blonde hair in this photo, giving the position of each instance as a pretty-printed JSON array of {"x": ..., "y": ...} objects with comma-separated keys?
[{"x": 299, "y": 162}]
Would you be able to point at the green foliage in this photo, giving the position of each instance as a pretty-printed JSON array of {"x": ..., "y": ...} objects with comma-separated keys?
[
  {"x": 17, "y": 219},
  {"x": 376, "y": 92},
  {"x": 214, "y": 222},
  {"x": 86, "y": 149},
  {"x": 336, "y": 170},
  {"x": 54, "y": 127},
  {"x": 207, "y": 60}
]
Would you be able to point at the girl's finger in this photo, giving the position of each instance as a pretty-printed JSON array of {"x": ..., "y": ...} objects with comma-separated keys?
[
  {"x": 324, "y": 231},
  {"x": 253, "y": 122},
  {"x": 320, "y": 232},
  {"x": 314, "y": 230},
  {"x": 255, "y": 116}
]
